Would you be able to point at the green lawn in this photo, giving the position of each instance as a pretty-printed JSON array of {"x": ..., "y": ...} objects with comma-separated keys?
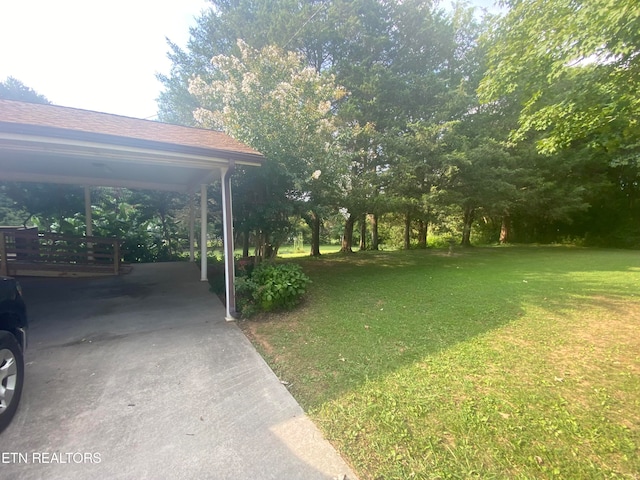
[
  {"x": 491, "y": 362},
  {"x": 285, "y": 251},
  {"x": 288, "y": 251}
]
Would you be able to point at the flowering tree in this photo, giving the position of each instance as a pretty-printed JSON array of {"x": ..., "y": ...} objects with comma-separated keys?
[{"x": 273, "y": 101}]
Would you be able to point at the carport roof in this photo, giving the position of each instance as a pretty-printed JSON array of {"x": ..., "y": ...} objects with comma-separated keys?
[{"x": 50, "y": 143}]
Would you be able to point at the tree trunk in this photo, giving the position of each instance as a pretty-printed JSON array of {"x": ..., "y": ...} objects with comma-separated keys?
[
  {"x": 315, "y": 234},
  {"x": 245, "y": 242},
  {"x": 263, "y": 248},
  {"x": 363, "y": 232},
  {"x": 505, "y": 229},
  {"x": 407, "y": 231},
  {"x": 373, "y": 218},
  {"x": 267, "y": 251},
  {"x": 347, "y": 238},
  {"x": 422, "y": 233},
  {"x": 469, "y": 214}
]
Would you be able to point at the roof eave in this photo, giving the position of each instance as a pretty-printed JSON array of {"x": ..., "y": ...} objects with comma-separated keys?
[{"x": 243, "y": 158}]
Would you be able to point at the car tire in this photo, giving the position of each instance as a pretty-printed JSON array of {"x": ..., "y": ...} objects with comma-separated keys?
[{"x": 11, "y": 377}]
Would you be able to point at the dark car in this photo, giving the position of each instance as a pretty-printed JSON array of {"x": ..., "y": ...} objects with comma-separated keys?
[{"x": 13, "y": 342}]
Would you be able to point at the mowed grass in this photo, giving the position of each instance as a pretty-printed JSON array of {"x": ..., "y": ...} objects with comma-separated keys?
[
  {"x": 490, "y": 363},
  {"x": 288, "y": 251}
]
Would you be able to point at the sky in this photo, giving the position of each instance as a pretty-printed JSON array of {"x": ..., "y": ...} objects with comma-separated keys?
[{"x": 98, "y": 55}]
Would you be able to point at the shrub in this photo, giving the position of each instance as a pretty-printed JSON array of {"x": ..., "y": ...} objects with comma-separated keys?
[
  {"x": 215, "y": 274},
  {"x": 271, "y": 287}
]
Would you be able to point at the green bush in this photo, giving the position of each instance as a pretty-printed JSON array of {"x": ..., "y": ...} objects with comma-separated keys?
[
  {"x": 215, "y": 275},
  {"x": 271, "y": 287}
]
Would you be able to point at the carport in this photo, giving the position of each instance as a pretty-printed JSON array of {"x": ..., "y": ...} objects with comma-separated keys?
[
  {"x": 54, "y": 144},
  {"x": 138, "y": 376}
]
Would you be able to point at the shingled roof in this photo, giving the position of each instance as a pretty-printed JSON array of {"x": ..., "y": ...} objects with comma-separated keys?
[
  {"x": 54, "y": 120},
  {"x": 53, "y": 144}
]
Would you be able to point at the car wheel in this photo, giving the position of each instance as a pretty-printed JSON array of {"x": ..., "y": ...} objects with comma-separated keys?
[{"x": 11, "y": 377}]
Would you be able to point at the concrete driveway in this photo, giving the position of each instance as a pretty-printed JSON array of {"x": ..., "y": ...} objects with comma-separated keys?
[{"x": 140, "y": 377}]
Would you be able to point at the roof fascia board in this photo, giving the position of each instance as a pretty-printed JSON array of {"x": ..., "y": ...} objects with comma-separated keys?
[
  {"x": 106, "y": 139},
  {"x": 77, "y": 148}
]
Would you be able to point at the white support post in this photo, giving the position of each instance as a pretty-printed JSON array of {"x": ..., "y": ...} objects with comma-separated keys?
[
  {"x": 203, "y": 232},
  {"x": 229, "y": 261},
  {"x": 192, "y": 227},
  {"x": 4, "y": 268},
  {"x": 87, "y": 211}
]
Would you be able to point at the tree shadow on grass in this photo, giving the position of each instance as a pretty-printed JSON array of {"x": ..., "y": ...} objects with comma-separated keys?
[{"x": 370, "y": 314}]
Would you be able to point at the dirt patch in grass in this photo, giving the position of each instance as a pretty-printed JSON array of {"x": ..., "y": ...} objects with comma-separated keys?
[
  {"x": 279, "y": 339},
  {"x": 252, "y": 331},
  {"x": 602, "y": 351},
  {"x": 610, "y": 322},
  {"x": 601, "y": 338}
]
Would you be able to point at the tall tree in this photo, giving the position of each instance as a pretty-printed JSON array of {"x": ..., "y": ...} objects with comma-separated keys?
[
  {"x": 572, "y": 69},
  {"x": 448, "y": 78},
  {"x": 411, "y": 70}
]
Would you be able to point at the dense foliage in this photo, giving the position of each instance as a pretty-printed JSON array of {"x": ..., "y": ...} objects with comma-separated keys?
[
  {"x": 574, "y": 68},
  {"x": 550, "y": 156},
  {"x": 571, "y": 71},
  {"x": 151, "y": 225}
]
